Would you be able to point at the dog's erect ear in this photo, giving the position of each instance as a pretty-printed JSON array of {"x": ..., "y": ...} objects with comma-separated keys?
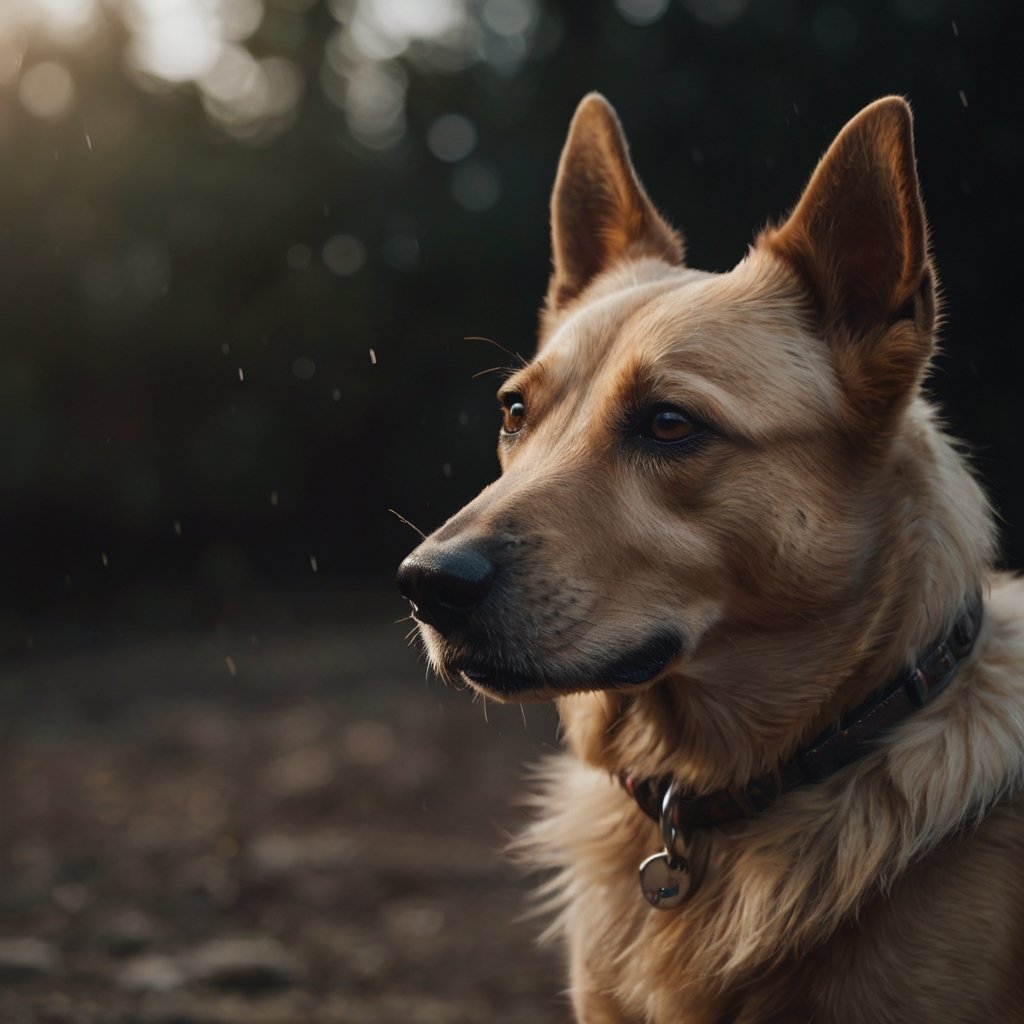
[
  {"x": 599, "y": 210},
  {"x": 859, "y": 241}
]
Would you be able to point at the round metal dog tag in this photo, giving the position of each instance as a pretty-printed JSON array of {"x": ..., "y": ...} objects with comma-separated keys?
[{"x": 665, "y": 881}]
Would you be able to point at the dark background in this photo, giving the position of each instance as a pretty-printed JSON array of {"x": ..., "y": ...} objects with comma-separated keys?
[{"x": 153, "y": 244}]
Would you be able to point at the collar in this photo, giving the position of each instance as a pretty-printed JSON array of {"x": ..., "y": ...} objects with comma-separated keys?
[{"x": 680, "y": 811}]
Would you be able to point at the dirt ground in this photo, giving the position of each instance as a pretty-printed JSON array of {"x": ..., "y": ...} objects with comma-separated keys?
[{"x": 288, "y": 827}]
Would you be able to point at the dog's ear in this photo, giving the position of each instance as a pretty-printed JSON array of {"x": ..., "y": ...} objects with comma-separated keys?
[
  {"x": 599, "y": 211},
  {"x": 858, "y": 240}
]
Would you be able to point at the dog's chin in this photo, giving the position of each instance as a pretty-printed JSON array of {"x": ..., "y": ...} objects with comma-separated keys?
[{"x": 521, "y": 679}]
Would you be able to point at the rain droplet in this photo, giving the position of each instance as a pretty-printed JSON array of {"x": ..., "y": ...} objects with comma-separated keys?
[
  {"x": 313, "y": 563},
  {"x": 336, "y": 394},
  {"x": 273, "y": 498},
  {"x": 241, "y": 374},
  {"x": 232, "y": 668},
  {"x": 177, "y": 527},
  {"x": 373, "y": 357},
  {"x": 104, "y": 559},
  {"x": 963, "y": 97}
]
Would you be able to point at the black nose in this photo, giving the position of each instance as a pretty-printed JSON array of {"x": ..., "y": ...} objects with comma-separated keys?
[{"x": 445, "y": 582}]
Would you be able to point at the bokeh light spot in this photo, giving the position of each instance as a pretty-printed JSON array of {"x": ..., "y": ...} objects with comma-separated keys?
[
  {"x": 47, "y": 90},
  {"x": 451, "y": 137},
  {"x": 175, "y": 40},
  {"x": 344, "y": 255},
  {"x": 69, "y": 21},
  {"x": 375, "y": 104},
  {"x": 718, "y": 13},
  {"x": 240, "y": 18},
  {"x": 475, "y": 186},
  {"x": 303, "y": 368},
  {"x": 510, "y": 17},
  {"x": 641, "y": 12}
]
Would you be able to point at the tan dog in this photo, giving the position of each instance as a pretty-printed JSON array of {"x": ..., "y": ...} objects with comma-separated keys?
[{"x": 732, "y": 542}]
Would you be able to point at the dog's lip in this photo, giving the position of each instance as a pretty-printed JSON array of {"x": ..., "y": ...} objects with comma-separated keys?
[
  {"x": 639, "y": 666},
  {"x": 475, "y": 673}
]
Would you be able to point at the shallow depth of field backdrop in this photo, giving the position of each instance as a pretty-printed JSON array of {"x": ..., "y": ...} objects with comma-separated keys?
[{"x": 243, "y": 244}]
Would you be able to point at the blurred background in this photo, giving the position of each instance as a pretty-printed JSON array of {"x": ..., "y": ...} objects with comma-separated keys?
[{"x": 245, "y": 247}]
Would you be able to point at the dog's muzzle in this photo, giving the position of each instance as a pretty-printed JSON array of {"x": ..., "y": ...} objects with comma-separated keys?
[{"x": 481, "y": 610}]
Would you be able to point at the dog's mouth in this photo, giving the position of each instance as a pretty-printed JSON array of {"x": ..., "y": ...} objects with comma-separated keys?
[{"x": 517, "y": 676}]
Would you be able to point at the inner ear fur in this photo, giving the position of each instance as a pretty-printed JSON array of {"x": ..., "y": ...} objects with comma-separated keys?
[
  {"x": 859, "y": 242},
  {"x": 600, "y": 213}
]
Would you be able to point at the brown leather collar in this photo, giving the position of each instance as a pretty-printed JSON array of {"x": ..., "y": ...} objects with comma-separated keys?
[{"x": 835, "y": 748}]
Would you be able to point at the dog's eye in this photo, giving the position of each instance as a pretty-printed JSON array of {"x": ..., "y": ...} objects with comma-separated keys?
[
  {"x": 513, "y": 410},
  {"x": 667, "y": 424}
]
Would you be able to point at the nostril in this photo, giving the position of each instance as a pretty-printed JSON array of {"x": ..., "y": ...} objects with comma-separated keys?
[{"x": 441, "y": 582}]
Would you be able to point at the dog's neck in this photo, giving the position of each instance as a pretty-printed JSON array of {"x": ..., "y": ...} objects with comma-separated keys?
[{"x": 836, "y": 748}]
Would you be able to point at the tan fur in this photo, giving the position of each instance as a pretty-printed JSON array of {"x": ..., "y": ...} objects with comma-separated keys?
[{"x": 814, "y": 547}]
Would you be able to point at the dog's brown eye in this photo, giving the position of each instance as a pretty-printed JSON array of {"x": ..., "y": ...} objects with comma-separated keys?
[
  {"x": 514, "y": 412},
  {"x": 669, "y": 424}
]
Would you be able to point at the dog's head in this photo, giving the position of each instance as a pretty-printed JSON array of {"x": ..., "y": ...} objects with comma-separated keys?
[{"x": 702, "y": 470}]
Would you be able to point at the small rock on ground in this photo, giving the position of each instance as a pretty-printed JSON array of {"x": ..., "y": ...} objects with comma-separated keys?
[{"x": 247, "y": 964}]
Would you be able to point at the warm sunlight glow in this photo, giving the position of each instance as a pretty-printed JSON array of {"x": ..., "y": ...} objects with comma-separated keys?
[
  {"x": 176, "y": 40},
  {"x": 46, "y": 90},
  {"x": 212, "y": 45},
  {"x": 67, "y": 21}
]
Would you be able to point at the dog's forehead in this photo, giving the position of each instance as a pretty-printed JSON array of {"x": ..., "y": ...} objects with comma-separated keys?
[{"x": 735, "y": 345}]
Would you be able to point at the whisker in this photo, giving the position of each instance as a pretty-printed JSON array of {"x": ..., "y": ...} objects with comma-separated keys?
[
  {"x": 412, "y": 526},
  {"x": 492, "y": 369},
  {"x": 496, "y": 344}
]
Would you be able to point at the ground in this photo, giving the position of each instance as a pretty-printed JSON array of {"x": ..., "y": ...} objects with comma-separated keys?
[{"x": 291, "y": 827}]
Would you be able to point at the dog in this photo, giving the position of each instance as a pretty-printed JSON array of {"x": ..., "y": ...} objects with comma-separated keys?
[{"x": 733, "y": 543}]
